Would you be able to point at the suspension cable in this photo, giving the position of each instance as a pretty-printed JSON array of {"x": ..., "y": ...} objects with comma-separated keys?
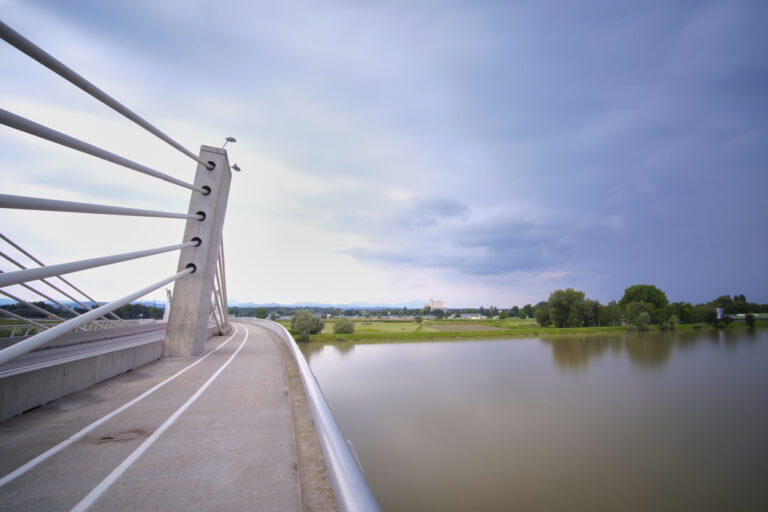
[
  {"x": 30, "y": 274},
  {"x": 55, "y": 205},
  {"x": 24, "y": 45},
  {"x": 42, "y": 338},
  {"x": 38, "y": 130}
]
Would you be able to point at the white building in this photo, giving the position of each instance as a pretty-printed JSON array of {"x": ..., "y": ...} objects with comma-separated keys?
[{"x": 435, "y": 304}]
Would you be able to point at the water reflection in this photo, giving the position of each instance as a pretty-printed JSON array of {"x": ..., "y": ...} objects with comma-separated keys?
[
  {"x": 644, "y": 350},
  {"x": 343, "y": 348},
  {"x": 631, "y": 422}
]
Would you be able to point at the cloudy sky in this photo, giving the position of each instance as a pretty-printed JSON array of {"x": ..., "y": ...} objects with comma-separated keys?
[{"x": 475, "y": 152}]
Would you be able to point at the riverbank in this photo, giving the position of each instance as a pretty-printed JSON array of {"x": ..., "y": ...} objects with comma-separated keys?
[{"x": 411, "y": 330}]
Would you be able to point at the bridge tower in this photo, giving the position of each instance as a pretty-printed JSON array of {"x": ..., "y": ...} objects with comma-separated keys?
[{"x": 191, "y": 302}]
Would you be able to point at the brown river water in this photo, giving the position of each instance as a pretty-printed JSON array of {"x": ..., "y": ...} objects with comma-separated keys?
[{"x": 656, "y": 421}]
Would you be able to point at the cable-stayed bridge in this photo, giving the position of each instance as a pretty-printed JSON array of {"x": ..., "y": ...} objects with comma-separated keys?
[{"x": 192, "y": 412}]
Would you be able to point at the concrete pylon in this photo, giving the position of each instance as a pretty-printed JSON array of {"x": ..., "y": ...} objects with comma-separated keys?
[{"x": 191, "y": 302}]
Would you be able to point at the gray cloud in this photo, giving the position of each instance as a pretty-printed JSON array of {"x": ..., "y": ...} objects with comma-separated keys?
[
  {"x": 496, "y": 246},
  {"x": 619, "y": 139}
]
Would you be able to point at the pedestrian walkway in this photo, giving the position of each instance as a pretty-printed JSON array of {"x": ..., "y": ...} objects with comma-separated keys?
[{"x": 228, "y": 430}]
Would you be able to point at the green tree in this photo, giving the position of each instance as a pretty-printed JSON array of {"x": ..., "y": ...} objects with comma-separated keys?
[
  {"x": 503, "y": 315},
  {"x": 643, "y": 319},
  {"x": 704, "y": 313},
  {"x": 611, "y": 314},
  {"x": 672, "y": 322},
  {"x": 261, "y": 312},
  {"x": 527, "y": 311},
  {"x": 577, "y": 315},
  {"x": 344, "y": 326},
  {"x": 749, "y": 318},
  {"x": 646, "y": 293},
  {"x": 683, "y": 311},
  {"x": 726, "y": 303},
  {"x": 592, "y": 310},
  {"x": 304, "y": 323},
  {"x": 565, "y": 308},
  {"x": 542, "y": 316},
  {"x": 634, "y": 309}
]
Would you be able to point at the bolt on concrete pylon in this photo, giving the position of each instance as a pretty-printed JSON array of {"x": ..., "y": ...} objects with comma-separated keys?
[{"x": 191, "y": 303}]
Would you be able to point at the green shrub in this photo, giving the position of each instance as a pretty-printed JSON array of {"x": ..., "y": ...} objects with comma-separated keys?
[
  {"x": 750, "y": 320},
  {"x": 344, "y": 326},
  {"x": 304, "y": 324},
  {"x": 631, "y": 328},
  {"x": 672, "y": 322},
  {"x": 643, "y": 319},
  {"x": 542, "y": 316}
]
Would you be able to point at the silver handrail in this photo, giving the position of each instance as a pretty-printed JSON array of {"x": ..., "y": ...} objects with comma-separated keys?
[{"x": 352, "y": 491}]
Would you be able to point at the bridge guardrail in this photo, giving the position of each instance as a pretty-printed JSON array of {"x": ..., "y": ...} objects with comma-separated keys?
[{"x": 349, "y": 483}]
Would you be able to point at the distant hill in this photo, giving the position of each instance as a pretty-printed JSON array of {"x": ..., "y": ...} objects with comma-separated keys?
[
  {"x": 353, "y": 305},
  {"x": 414, "y": 304}
]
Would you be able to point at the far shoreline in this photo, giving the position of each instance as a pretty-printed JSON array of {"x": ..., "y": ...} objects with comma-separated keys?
[{"x": 511, "y": 333}]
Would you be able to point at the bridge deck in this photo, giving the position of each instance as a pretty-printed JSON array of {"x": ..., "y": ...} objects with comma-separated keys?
[{"x": 225, "y": 431}]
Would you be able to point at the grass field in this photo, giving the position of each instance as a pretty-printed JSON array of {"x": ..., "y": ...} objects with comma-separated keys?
[
  {"x": 461, "y": 327},
  {"x": 410, "y": 330}
]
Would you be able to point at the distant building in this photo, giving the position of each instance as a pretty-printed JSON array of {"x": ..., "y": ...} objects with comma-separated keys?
[{"x": 435, "y": 304}]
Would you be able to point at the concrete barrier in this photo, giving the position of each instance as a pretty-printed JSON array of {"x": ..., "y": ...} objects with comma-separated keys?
[
  {"x": 75, "y": 337},
  {"x": 25, "y": 390}
]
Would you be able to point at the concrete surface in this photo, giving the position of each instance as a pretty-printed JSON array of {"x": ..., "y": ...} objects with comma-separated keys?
[
  {"x": 191, "y": 301},
  {"x": 75, "y": 337},
  {"x": 244, "y": 442},
  {"x": 39, "y": 377}
]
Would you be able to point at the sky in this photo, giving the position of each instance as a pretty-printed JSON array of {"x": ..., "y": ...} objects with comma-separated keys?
[{"x": 479, "y": 153}]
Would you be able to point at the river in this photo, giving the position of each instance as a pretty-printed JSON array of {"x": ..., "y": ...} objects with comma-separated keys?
[{"x": 654, "y": 421}]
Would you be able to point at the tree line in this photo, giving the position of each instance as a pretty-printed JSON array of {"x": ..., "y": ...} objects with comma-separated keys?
[
  {"x": 640, "y": 306},
  {"x": 127, "y": 312}
]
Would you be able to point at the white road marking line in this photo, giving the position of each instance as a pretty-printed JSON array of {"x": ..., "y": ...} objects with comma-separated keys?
[
  {"x": 97, "y": 491},
  {"x": 75, "y": 437}
]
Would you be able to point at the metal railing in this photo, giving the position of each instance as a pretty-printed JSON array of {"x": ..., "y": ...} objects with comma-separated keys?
[
  {"x": 349, "y": 484},
  {"x": 24, "y": 275}
]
